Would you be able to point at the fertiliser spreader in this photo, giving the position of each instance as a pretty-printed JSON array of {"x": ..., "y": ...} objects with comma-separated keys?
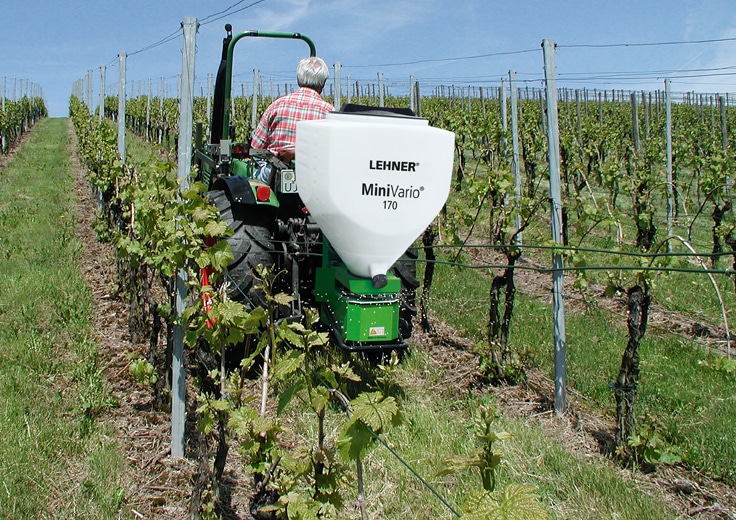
[{"x": 340, "y": 220}]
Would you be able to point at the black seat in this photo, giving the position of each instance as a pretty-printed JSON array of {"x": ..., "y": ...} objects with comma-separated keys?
[{"x": 377, "y": 111}]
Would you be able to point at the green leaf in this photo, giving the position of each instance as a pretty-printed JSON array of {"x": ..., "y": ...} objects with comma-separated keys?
[
  {"x": 288, "y": 364},
  {"x": 611, "y": 290},
  {"x": 219, "y": 405},
  {"x": 217, "y": 229},
  {"x": 669, "y": 458},
  {"x": 494, "y": 436},
  {"x": 328, "y": 376},
  {"x": 374, "y": 410},
  {"x": 319, "y": 397},
  {"x": 287, "y": 395},
  {"x": 282, "y": 298},
  {"x": 354, "y": 440},
  {"x": 206, "y": 424},
  {"x": 202, "y": 214},
  {"x": 345, "y": 371},
  {"x": 515, "y": 501},
  {"x": 456, "y": 464},
  {"x": 240, "y": 419}
]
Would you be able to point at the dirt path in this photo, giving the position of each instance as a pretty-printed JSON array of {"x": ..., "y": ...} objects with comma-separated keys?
[{"x": 160, "y": 486}]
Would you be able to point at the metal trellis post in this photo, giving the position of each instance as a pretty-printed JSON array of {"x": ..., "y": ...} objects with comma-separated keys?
[
  {"x": 254, "y": 104},
  {"x": 380, "y": 89},
  {"x": 553, "y": 140},
  {"x": 338, "y": 86},
  {"x": 102, "y": 93},
  {"x": 121, "y": 105},
  {"x": 186, "y": 108},
  {"x": 515, "y": 146},
  {"x": 670, "y": 186}
]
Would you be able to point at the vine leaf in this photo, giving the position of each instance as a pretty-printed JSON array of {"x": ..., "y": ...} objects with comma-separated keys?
[
  {"x": 374, "y": 409},
  {"x": 281, "y": 298},
  {"x": 371, "y": 413},
  {"x": 241, "y": 418},
  {"x": 319, "y": 396},
  {"x": 288, "y": 394},
  {"x": 220, "y": 254},
  {"x": 354, "y": 440},
  {"x": 288, "y": 364},
  {"x": 515, "y": 501}
]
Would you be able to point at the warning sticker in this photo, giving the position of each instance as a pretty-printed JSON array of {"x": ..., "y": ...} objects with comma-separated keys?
[{"x": 377, "y": 331}]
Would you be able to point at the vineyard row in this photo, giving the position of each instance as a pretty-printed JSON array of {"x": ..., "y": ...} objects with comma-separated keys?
[{"x": 18, "y": 113}]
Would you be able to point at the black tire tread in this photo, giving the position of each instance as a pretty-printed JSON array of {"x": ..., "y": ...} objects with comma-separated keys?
[{"x": 251, "y": 245}]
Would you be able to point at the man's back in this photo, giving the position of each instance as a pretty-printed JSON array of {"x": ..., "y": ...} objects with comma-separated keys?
[{"x": 276, "y": 130}]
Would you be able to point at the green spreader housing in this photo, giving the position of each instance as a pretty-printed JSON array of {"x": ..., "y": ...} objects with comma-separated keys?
[{"x": 361, "y": 316}]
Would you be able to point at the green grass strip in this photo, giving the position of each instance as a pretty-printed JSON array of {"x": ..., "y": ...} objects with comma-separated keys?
[
  {"x": 693, "y": 403},
  {"x": 55, "y": 460}
]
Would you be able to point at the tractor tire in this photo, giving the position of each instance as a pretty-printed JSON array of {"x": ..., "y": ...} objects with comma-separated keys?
[
  {"x": 405, "y": 269},
  {"x": 251, "y": 246}
]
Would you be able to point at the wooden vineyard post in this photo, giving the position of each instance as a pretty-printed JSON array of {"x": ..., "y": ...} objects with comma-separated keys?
[{"x": 558, "y": 303}]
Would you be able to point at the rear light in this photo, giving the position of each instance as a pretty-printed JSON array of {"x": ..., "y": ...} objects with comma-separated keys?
[{"x": 263, "y": 193}]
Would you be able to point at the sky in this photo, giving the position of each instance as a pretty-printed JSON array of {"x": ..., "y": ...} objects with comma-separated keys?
[{"x": 624, "y": 44}]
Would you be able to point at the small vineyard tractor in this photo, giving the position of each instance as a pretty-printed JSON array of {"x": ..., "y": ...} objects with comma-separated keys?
[{"x": 340, "y": 220}]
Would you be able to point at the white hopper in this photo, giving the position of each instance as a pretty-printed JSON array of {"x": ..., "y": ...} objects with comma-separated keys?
[{"x": 373, "y": 183}]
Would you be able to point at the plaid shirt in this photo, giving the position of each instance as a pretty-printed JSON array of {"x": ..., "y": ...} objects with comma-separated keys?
[{"x": 276, "y": 130}]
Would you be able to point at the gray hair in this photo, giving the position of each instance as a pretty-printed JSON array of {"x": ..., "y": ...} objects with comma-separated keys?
[{"x": 312, "y": 72}]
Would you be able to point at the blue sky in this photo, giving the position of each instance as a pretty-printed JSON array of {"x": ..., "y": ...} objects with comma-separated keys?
[{"x": 461, "y": 42}]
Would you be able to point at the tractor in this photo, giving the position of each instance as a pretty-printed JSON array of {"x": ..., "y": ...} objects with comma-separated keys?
[{"x": 340, "y": 220}]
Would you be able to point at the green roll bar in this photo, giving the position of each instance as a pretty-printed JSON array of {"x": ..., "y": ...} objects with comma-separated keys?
[{"x": 229, "y": 68}]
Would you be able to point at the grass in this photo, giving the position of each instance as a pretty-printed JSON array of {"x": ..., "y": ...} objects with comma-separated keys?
[
  {"x": 439, "y": 425},
  {"x": 56, "y": 461},
  {"x": 693, "y": 402}
]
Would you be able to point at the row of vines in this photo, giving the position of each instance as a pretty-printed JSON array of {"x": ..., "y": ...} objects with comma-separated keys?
[
  {"x": 605, "y": 151},
  {"x": 613, "y": 168},
  {"x": 309, "y": 470},
  {"x": 17, "y": 117}
]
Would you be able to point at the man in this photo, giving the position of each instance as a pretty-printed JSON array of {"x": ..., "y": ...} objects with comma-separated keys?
[{"x": 276, "y": 130}]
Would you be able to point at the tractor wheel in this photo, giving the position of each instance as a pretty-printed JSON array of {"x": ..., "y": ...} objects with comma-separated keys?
[
  {"x": 251, "y": 245},
  {"x": 406, "y": 270}
]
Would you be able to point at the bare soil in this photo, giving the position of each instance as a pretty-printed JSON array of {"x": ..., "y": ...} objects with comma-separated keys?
[{"x": 159, "y": 487}]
